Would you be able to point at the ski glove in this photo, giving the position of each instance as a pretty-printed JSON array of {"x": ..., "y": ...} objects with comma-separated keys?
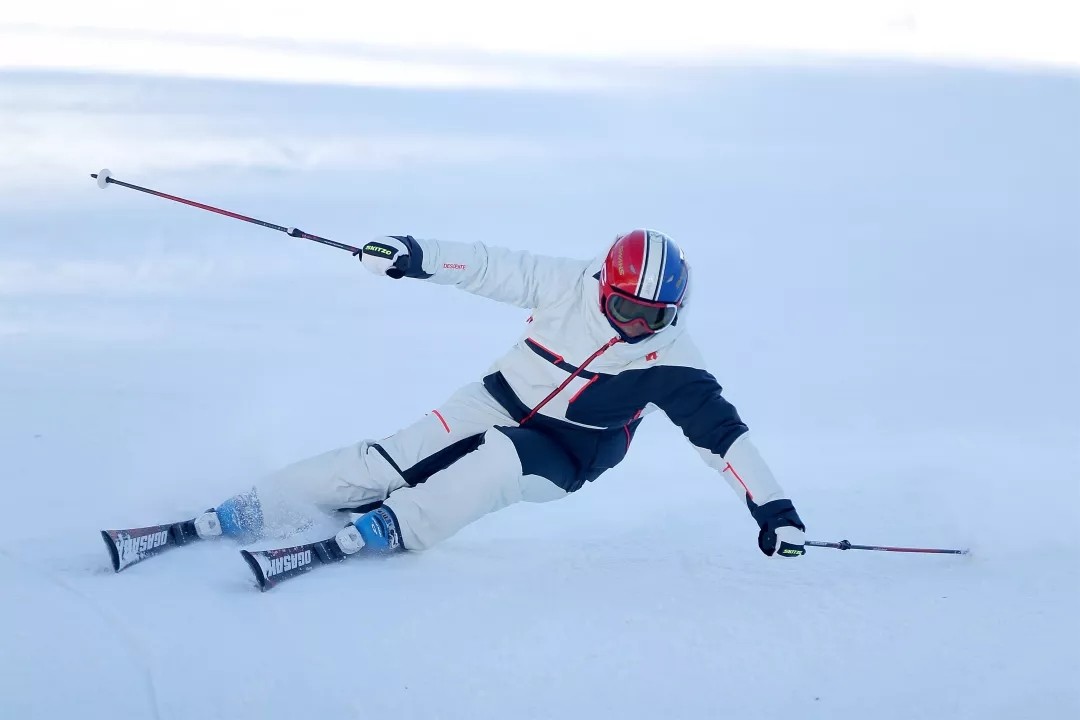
[
  {"x": 391, "y": 255},
  {"x": 781, "y": 529}
]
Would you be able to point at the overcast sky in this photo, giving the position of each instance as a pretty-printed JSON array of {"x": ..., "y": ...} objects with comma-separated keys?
[{"x": 365, "y": 43}]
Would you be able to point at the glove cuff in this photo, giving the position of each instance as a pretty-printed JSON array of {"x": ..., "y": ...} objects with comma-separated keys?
[
  {"x": 411, "y": 264},
  {"x": 774, "y": 514}
]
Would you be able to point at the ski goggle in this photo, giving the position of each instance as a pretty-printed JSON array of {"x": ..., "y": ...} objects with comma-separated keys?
[{"x": 640, "y": 317}]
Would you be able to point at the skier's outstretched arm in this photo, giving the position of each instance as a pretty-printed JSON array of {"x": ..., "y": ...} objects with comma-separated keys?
[
  {"x": 515, "y": 277},
  {"x": 713, "y": 426}
]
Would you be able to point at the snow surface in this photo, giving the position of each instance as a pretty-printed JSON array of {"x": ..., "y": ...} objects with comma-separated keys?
[{"x": 886, "y": 263}]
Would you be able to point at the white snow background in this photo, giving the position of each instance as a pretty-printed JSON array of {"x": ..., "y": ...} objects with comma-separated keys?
[{"x": 886, "y": 260}]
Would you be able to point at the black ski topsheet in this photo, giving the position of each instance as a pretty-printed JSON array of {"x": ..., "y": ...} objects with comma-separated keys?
[
  {"x": 272, "y": 567},
  {"x": 127, "y": 547}
]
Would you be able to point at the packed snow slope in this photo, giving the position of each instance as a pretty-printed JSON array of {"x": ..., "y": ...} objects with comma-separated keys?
[{"x": 885, "y": 281}]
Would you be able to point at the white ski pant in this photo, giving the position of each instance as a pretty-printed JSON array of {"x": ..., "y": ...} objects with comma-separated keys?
[{"x": 431, "y": 508}]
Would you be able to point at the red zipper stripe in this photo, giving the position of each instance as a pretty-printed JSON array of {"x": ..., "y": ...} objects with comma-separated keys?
[
  {"x": 584, "y": 387},
  {"x": 600, "y": 351},
  {"x": 732, "y": 469},
  {"x": 442, "y": 420}
]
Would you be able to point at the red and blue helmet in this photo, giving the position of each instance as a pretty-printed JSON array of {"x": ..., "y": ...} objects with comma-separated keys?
[{"x": 643, "y": 283}]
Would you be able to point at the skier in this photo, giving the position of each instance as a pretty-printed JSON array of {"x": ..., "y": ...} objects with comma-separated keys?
[{"x": 606, "y": 345}]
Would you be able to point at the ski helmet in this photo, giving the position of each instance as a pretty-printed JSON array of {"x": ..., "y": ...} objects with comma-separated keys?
[{"x": 643, "y": 283}]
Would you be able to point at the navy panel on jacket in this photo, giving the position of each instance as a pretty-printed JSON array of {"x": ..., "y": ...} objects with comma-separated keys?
[
  {"x": 691, "y": 397},
  {"x": 585, "y": 453},
  {"x": 557, "y": 360}
]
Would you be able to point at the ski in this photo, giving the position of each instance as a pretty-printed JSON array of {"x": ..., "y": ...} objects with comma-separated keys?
[
  {"x": 272, "y": 567},
  {"x": 133, "y": 545}
]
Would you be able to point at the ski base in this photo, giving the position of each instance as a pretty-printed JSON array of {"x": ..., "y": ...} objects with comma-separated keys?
[
  {"x": 273, "y": 567},
  {"x": 133, "y": 545}
]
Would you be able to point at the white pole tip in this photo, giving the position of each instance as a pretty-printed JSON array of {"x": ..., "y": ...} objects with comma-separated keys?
[{"x": 103, "y": 178}]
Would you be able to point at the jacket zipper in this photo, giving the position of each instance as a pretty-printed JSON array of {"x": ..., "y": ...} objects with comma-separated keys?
[{"x": 600, "y": 351}]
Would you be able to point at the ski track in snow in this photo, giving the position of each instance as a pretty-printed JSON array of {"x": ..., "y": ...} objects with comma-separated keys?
[
  {"x": 884, "y": 263},
  {"x": 32, "y": 576}
]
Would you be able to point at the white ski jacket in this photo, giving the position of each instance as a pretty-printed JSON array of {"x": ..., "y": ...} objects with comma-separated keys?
[{"x": 620, "y": 383}]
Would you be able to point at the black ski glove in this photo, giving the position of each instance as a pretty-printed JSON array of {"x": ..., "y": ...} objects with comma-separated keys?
[
  {"x": 395, "y": 256},
  {"x": 781, "y": 529}
]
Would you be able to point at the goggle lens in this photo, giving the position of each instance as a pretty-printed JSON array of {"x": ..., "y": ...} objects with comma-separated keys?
[{"x": 627, "y": 311}]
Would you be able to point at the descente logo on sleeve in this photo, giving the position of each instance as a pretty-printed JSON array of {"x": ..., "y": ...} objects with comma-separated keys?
[{"x": 453, "y": 266}]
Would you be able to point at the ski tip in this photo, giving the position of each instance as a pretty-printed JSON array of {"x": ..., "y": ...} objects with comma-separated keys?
[
  {"x": 114, "y": 554},
  {"x": 257, "y": 571}
]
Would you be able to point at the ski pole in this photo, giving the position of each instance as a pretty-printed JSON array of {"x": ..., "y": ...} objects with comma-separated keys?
[
  {"x": 104, "y": 179},
  {"x": 846, "y": 545}
]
